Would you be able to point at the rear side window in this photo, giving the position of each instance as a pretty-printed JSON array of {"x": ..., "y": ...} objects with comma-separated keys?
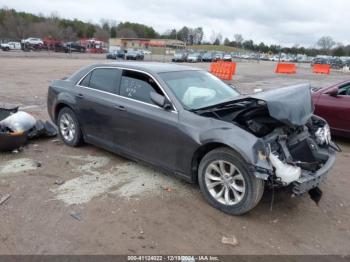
[
  {"x": 103, "y": 79},
  {"x": 86, "y": 80},
  {"x": 138, "y": 86}
]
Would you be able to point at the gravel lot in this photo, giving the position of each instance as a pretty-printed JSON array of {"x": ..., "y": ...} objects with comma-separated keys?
[{"x": 128, "y": 208}]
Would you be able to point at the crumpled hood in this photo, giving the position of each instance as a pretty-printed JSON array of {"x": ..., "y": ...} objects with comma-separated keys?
[{"x": 291, "y": 105}]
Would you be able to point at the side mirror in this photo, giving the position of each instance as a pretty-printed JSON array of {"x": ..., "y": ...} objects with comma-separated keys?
[
  {"x": 160, "y": 101},
  {"x": 333, "y": 92}
]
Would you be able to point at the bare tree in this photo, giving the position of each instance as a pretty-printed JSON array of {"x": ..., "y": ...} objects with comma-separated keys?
[
  {"x": 197, "y": 35},
  {"x": 215, "y": 38},
  {"x": 48, "y": 28},
  {"x": 101, "y": 34},
  {"x": 69, "y": 34},
  {"x": 238, "y": 38},
  {"x": 126, "y": 32},
  {"x": 219, "y": 37},
  {"x": 326, "y": 43},
  {"x": 13, "y": 27}
]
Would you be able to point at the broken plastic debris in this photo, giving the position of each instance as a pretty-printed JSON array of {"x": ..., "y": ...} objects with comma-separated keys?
[
  {"x": 229, "y": 240},
  {"x": 315, "y": 194},
  {"x": 287, "y": 173},
  {"x": 59, "y": 182},
  {"x": 17, "y": 126},
  {"x": 167, "y": 189},
  {"x": 4, "y": 198},
  {"x": 76, "y": 215}
]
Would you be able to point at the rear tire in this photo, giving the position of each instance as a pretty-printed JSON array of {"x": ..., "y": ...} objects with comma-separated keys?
[
  {"x": 69, "y": 128},
  {"x": 226, "y": 182}
]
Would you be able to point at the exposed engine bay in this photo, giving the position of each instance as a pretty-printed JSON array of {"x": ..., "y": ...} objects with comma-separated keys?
[{"x": 298, "y": 142}]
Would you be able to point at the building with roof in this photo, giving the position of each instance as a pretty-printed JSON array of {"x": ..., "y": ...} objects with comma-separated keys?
[{"x": 154, "y": 45}]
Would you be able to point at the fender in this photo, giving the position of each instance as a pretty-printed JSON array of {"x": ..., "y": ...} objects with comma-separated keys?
[{"x": 248, "y": 146}]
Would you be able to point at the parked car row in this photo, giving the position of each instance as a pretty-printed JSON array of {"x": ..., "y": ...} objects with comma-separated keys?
[
  {"x": 334, "y": 62},
  {"x": 212, "y": 56},
  {"x": 193, "y": 57},
  {"x": 126, "y": 54},
  {"x": 69, "y": 47},
  {"x": 37, "y": 44}
]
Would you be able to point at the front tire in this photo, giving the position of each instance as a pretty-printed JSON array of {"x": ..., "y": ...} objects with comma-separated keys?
[
  {"x": 69, "y": 128},
  {"x": 227, "y": 184}
]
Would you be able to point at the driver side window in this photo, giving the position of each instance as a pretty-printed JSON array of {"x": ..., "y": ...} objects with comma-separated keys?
[
  {"x": 138, "y": 86},
  {"x": 344, "y": 90}
]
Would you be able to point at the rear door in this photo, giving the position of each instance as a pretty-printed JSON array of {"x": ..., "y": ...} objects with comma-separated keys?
[
  {"x": 336, "y": 109},
  {"x": 146, "y": 130},
  {"x": 97, "y": 105}
]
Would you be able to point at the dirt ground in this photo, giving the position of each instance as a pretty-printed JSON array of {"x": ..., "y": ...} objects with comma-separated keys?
[{"x": 121, "y": 207}]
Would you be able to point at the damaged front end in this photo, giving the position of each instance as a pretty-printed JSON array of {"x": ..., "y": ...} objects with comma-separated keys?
[
  {"x": 16, "y": 127},
  {"x": 301, "y": 156},
  {"x": 295, "y": 146}
]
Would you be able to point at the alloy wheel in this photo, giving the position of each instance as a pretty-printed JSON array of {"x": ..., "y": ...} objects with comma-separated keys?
[
  {"x": 67, "y": 127},
  {"x": 225, "y": 182}
]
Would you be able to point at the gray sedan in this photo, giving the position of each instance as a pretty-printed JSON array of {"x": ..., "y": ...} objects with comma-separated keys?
[{"x": 187, "y": 122}]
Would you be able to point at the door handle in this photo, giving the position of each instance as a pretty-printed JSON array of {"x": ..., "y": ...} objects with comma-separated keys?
[
  {"x": 79, "y": 95},
  {"x": 120, "y": 108}
]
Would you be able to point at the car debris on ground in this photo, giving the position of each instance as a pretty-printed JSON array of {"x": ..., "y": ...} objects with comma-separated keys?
[
  {"x": 75, "y": 215},
  {"x": 4, "y": 198},
  {"x": 229, "y": 240},
  {"x": 16, "y": 127},
  {"x": 59, "y": 182}
]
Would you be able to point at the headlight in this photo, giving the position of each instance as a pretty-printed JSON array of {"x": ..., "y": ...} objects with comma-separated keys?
[{"x": 323, "y": 135}]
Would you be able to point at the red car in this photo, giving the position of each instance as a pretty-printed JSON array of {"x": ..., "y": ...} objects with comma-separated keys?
[{"x": 333, "y": 104}]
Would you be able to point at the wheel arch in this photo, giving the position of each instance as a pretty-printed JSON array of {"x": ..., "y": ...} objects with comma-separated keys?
[
  {"x": 59, "y": 107},
  {"x": 202, "y": 151}
]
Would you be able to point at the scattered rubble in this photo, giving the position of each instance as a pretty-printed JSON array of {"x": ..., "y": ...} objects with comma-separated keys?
[
  {"x": 59, "y": 182},
  {"x": 275, "y": 221},
  {"x": 19, "y": 165},
  {"x": 167, "y": 189},
  {"x": 4, "y": 198},
  {"x": 75, "y": 215},
  {"x": 229, "y": 240},
  {"x": 57, "y": 142}
]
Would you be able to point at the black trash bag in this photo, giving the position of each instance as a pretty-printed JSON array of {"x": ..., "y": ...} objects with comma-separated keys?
[{"x": 42, "y": 129}]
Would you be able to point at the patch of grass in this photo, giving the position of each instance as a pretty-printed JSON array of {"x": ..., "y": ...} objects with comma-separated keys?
[{"x": 222, "y": 48}]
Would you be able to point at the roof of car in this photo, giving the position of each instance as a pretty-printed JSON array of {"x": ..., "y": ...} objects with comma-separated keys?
[{"x": 150, "y": 67}]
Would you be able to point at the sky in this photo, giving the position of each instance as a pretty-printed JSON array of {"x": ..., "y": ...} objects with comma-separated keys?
[{"x": 284, "y": 22}]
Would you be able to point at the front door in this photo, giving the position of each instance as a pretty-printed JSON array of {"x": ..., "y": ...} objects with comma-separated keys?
[
  {"x": 97, "y": 105},
  {"x": 146, "y": 130}
]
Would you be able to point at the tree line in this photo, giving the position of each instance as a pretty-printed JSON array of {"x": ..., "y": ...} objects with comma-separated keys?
[
  {"x": 324, "y": 46},
  {"x": 19, "y": 25}
]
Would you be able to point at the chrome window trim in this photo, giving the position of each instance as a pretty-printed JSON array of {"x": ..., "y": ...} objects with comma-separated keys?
[{"x": 135, "y": 70}]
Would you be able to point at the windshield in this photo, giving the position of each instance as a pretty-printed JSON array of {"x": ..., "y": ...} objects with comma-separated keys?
[{"x": 198, "y": 89}]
